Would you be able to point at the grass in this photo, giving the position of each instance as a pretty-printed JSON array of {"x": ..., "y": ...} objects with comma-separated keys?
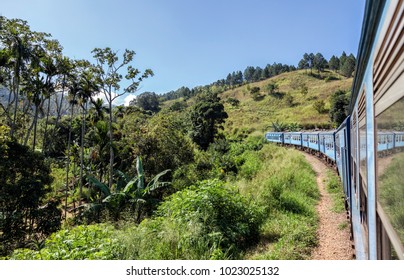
[
  {"x": 259, "y": 115},
  {"x": 335, "y": 189},
  {"x": 391, "y": 193},
  {"x": 285, "y": 186},
  {"x": 343, "y": 225}
]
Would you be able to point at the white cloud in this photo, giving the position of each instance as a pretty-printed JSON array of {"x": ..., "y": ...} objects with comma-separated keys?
[
  {"x": 101, "y": 95},
  {"x": 128, "y": 99}
]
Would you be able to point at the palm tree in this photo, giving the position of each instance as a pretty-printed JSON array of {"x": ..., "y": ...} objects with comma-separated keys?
[
  {"x": 64, "y": 66},
  {"x": 17, "y": 37},
  {"x": 88, "y": 86},
  {"x": 50, "y": 70},
  {"x": 98, "y": 110},
  {"x": 73, "y": 90}
]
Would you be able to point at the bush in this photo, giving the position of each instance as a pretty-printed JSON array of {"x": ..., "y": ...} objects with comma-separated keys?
[
  {"x": 220, "y": 211},
  {"x": 205, "y": 221},
  {"x": 93, "y": 242}
]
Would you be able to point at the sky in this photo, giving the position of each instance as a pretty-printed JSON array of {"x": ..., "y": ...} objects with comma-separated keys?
[{"x": 196, "y": 42}]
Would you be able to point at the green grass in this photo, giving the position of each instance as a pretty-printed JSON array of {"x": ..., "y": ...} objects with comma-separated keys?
[
  {"x": 335, "y": 189},
  {"x": 391, "y": 193},
  {"x": 285, "y": 186},
  {"x": 259, "y": 115}
]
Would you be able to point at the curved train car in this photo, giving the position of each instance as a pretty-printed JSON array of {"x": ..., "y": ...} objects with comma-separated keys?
[{"x": 368, "y": 147}]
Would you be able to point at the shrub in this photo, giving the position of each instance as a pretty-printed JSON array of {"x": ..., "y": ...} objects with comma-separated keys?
[
  {"x": 205, "y": 221},
  {"x": 220, "y": 211},
  {"x": 93, "y": 242}
]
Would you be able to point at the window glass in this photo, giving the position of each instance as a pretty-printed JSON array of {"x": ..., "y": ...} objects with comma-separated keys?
[
  {"x": 390, "y": 165},
  {"x": 362, "y": 151}
]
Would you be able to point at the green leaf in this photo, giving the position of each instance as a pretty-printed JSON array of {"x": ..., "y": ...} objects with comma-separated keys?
[
  {"x": 122, "y": 180},
  {"x": 129, "y": 186},
  {"x": 101, "y": 186},
  {"x": 155, "y": 184}
]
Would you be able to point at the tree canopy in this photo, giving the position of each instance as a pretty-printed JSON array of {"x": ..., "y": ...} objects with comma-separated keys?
[{"x": 207, "y": 117}]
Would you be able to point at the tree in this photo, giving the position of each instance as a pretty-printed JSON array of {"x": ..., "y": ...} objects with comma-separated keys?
[
  {"x": 342, "y": 59},
  {"x": 319, "y": 62},
  {"x": 17, "y": 37},
  {"x": 333, "y": 64},
  {"x": 339, "y": 106},
  {"x": 24, "y": 182},
  {"x": 207, "y": 117},
  {"x": 307, "y": 62},
  {"x": 348, "y": 66},
  {"x": 257, "y": 74},
  {"x": 87, "y": 88},
  {"x": 109, "y": 74},
  {"x": 249, "y": 73},
  {"x": 148, "y": 101}
]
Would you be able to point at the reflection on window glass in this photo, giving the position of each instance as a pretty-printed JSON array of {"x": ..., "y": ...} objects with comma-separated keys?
[
  {"x": 362, "y": 151},
  {"x": 390, "y": 165}
]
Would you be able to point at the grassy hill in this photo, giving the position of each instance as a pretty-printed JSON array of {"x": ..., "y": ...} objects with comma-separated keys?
[{"x": 292, "y": 102}]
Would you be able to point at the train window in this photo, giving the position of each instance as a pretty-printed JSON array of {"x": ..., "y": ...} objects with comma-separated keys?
[
  {"x": 362, "y": 146},
  {"x": 353, "y": 153},
  {"x": 390, "y": 175},
  {"x": 388, "y": 80}
]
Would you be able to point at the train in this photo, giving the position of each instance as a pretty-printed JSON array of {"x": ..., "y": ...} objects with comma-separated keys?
[{"x": 367, "y": 149}]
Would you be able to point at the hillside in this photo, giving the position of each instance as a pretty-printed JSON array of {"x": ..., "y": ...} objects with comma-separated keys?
[{"x": 292, "y": 102}]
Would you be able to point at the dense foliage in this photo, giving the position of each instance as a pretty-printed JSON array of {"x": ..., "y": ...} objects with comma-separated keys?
[
  {"x": 339, "y": 106},
  {"x": 24, "y": 182},
  {"x": 158, "y": 179},
  {"x": 93, "y": 242},
  {"x": 207, "y": 117}
]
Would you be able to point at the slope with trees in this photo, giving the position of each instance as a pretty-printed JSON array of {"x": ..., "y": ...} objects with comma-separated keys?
[{"x": 68, "y": 158}]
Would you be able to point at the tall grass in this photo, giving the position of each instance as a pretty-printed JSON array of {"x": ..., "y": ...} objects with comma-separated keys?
[
  {"x": 267, "y": 211},
  {"x": 206, "y": 221},
  {"x": 285, "y": 187}
]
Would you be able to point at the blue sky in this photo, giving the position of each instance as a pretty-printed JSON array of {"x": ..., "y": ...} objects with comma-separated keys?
[{"x": 195, "y": 42}]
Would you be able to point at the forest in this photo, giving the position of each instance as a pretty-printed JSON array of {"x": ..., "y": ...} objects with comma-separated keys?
[{"x": 162, "y": 178}]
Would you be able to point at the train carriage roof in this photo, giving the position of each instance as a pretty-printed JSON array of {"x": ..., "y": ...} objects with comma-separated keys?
[{"x": 371, "y": 19}]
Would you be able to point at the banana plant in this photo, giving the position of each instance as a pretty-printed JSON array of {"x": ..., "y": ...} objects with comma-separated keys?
[{"x": 135, "y": 191}]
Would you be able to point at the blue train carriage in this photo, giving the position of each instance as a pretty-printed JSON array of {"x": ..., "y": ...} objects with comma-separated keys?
[
  {"x": 342, "y": 158},
  {"x": 311, "y": 140},
  {"x": 276, "y": 137},
  {"x": 327, "y": 145},
  {"x": 376, "y": 118},
  {"x": 398, "y": 139},
  {"x": 385, "y": 141},
  {"x": 294, "y": 138}
]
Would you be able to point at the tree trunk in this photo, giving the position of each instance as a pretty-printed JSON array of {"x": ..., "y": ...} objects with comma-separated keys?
[
  {"x": 111, "y": 150},
  {"x": 16, "y": 93},
  {"x": 59, "y": 106},
  {"x": 44, "y": 142},
  {"x": 83, "y": 128},
  {"x": 35, "y": 126},
  {"x": 68, "y": 158}
]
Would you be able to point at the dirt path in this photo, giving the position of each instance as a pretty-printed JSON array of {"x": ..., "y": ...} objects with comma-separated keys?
[{"x": 334, "y": 243}]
